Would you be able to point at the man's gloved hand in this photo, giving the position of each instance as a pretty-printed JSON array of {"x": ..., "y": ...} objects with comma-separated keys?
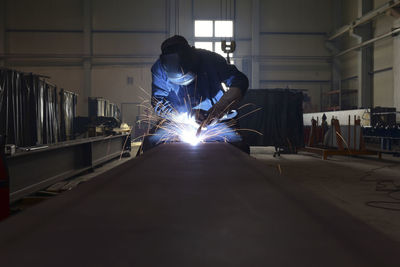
[
  {"x": 200, "y": 115},
  {"x": 164, "y": 110},
  {"x": 230, "y": 100}
]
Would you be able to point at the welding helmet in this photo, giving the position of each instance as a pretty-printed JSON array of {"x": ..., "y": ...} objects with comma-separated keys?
[{"x": 178, "y": 60}]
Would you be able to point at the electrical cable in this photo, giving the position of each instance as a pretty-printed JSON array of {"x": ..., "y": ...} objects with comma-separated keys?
[
  {"x": 370, "y": 172},
  {"x": 390, "y": 194},
  {"x": 377, "y": 204},
  {"x": 386, "y": 205}
]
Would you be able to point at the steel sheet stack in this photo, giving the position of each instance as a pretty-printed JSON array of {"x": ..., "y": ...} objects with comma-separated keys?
[
  {"x": 68, "y": 103},
  {"x": 29, "y": 110},
  {"x": 100, "y": 107}
]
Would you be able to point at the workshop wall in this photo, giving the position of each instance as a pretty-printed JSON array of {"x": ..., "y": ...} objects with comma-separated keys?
[
  {"x": 129, "y": 82},
  {"x": 349, "y": 61},
  {"x": 383, "y": 61},
  {"x": 45, "y": 37},
  {"x": 292, "y": 52},
  {"x": 126, "y": 41},
  {"x": 292, "y": 46},
  {"x": 48, "y": 37},
  {"x": 44, "y": 14},
  {"x": 383, "y": 75}
]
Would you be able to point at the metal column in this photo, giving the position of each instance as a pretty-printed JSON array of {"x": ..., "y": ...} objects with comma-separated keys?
[
  {"x": 365, "y": 58},
  {"x": 396, "y": 69},
  {"x": 173, "y": 19},
  {"x": 255, "y": 45},
  {"x": 87, "y": 48},
  {"x": 3, "y": 39},
  {"x": 332, "y": 46}
]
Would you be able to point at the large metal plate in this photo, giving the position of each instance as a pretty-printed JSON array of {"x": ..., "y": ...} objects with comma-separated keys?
[{"x": 178, "y": 205}]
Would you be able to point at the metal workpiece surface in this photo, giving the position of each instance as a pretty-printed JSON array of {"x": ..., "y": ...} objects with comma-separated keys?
[{"x": 178, "y": 205}]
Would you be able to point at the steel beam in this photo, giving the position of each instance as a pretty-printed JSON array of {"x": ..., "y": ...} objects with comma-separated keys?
[
  {"x": 178, "y": 205},
  {"x": 364, "y": 18},
  {"x": 3, "y": 39},
  {"x": 393, "y": 33},
  {"x": 34, "y": 170}
]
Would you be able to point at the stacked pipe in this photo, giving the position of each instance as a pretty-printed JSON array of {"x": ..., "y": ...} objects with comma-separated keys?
[{"x": 100, "y": 107}]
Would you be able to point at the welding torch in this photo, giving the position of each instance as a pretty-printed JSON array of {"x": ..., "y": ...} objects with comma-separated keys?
[
  {"x": 228, "y": 101},
  {"x": 228, "y": 116},
  {"x": 202, "y": 125}
]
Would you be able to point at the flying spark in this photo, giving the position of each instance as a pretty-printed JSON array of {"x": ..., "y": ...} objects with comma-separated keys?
[{"x": 183, "y": 127}]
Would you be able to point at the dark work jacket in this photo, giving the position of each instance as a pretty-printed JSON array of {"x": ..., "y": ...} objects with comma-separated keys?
[{"x": 212, "y": 69}]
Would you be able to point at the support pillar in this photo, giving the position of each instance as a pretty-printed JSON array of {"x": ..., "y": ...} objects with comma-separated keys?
[
  {"x": 336, "y": 73},
  {"x": 365, "y": 58},
  {"x": 87, "y": 61},
  {"x": 255, "y": 45},
  {"x": 336, "y": 68},
  {"x": 173, "y": 20},
  {"x": 396, "y": 69},
  {"x": 2, "y": 33}
]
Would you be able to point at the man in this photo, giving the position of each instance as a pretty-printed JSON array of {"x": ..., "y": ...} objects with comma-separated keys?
[{"x": 186, "y": 79}]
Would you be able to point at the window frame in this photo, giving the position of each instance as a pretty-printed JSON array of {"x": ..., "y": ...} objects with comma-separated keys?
[{"x": 214, "y": 40}]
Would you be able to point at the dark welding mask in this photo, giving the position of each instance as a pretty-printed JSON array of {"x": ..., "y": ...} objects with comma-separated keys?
[{"x": 179, "y": 67}]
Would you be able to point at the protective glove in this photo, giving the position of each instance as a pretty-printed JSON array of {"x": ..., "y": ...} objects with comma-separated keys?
[
  {"x": 230, "y": 100},
  {"x": 163, "y": 109},
  {"x": 200, "y": 115}
]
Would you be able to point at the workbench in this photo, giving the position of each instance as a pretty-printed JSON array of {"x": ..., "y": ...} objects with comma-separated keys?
[{"x": 182, "y": 205}]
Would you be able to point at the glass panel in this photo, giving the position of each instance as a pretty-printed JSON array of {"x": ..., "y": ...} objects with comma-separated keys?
[
  {"x": 204, "y": 45},
  {"x": 223, "y": 28},
  {"x": 203, "y": 28}
]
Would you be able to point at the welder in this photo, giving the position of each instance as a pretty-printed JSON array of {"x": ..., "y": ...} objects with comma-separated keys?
[{"x": 187, "y": 79}]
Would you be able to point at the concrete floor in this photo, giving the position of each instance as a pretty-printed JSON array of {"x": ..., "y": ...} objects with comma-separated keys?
[
  {"x": 239, "y": 213},
  {"x": 347, "y": 182}
]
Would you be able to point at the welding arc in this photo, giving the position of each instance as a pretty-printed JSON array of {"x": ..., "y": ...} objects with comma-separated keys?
[{"x": 212, "y": 116}]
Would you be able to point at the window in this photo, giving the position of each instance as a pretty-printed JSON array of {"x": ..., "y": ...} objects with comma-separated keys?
[
  {"x": 204, "y": 45},
  {"x": 203, "y": 28},
  {"x": 224, "y": 28},
  {"x": 209, "y": 33}
]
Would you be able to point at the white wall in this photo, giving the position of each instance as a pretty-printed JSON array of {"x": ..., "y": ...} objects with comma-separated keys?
[{"x": 292, "y": 45}]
